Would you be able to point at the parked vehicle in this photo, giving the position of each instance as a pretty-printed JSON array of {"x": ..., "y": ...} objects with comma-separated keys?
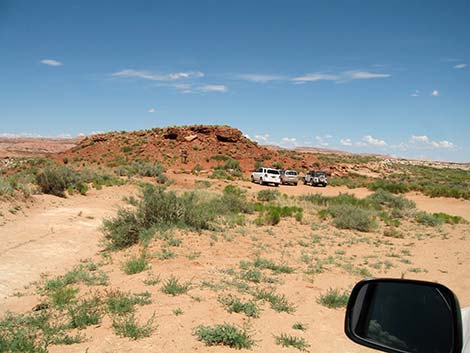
[
  {"x": 289, "y": 177},
  {"x": 316, "y": 177},
  {"x": 266, "y": 176},
  {"x": 407, "y": 316}
]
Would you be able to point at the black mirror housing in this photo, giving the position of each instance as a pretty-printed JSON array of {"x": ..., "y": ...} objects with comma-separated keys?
[{"x": 404, "y": 316}]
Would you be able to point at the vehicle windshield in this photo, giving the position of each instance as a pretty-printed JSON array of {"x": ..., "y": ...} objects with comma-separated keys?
[
  {"x": 291, "y": 173},
  {"x": 319, "y": 174},
  {"x": 273, "y": 171}
]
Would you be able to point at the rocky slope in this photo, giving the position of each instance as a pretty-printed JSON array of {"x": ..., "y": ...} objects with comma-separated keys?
[{"x": 182, "y": 148}]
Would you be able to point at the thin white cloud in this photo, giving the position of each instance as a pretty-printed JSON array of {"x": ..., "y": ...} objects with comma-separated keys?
[
  {"x": 443, "y": 144},
  {"x": 147, "y": 75},
  {"x": 415, "y": 93},
  {"x": 346, "y": 142},
  {"x": 213, "y": 88},
  {"x": 260, "y": 78},
  {"x": 183, "y": 87},
  {"x": 315, "y": 77},
  {"x": 51, "y": 62},
  {"x": 372, "y": 141},
  {"x": 460, "y": 66},
  {"x": 264, "y": 138},
  {"x": 64, "y": 135},
  {"x": 21, "y": 134},
  {"x": 420, "y": 138},
  {"x": 435, "y": 93},
  {"x": 340, "y": 77},
  {"x": 288, "y": 142},
  {"x": 322, "y": 140},
  {"x": 365, "y": 75},
  {"x": 152, "y": 110},
  {"x": 424, "y": 142}
]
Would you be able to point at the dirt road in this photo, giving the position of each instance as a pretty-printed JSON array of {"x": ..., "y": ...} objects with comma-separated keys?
[{"x": 53, "y": 235}]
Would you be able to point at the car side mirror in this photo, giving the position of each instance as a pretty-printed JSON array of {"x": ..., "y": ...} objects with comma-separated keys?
[{"x": 404, "y": 316}]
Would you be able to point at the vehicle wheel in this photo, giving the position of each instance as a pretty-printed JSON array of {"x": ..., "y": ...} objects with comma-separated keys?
[
  {"x": 305, "y": 182},
  {"x": 252, "y": 179},
  {"x": 261, "y": 181},
  {"x": 296, "y": 183},
  {"x": 276, "y": 184}
]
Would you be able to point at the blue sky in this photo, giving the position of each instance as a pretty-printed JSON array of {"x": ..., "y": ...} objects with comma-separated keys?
[{"x": 364, "y": 76}]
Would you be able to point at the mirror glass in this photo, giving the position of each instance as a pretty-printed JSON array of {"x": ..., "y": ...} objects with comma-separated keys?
[{"x": 403, "y": 316}]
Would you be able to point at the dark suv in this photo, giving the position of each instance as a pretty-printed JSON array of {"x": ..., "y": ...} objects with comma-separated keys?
[{"x": 316, "y": 177}]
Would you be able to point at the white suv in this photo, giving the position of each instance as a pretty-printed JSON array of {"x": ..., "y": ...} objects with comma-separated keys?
[{"x": 266, "y": 176}]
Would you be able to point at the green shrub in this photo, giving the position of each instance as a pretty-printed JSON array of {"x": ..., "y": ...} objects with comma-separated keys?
[
  {"x": 272, "y": 214},
  {"x": 148, "y": 169},
  {"x": 392, "y": 232},
  {"x": 351, "y": 181},
  {"x": 235, "y": 305},
  {"x": 165, "y": 254},
  {"x": 55, "y": 181},
  {"x": 286, "y": 340},
  {"x": 63, "y": 296},
  {"x": 299, "y": 326},
  {"x": 278, "y": 302},
  {"x": 252, "y": 275},
  {"x": 430, "y": 220},
  {"x": 386, "y": 198},
  {"x": 135, "y": 265},
  {"x": 220, "y": 157},
  {"x": 127, "y": 326},
  {"x": 341, "y": 199},
  {"x": 334, "y": 299},
  {"x": 221, "y": 175},
  {"x": 202, "y": 184},
  {"x": 352, "y": 217},
  {"x": 119, "y": 303},
  {"x": 33, "y": 333},
  {"x": 447, "y": 218},
  {"x": 268, "y": 195},
  {"x": 126, "y": 149},
  {"x": 234, "y": 190},
  {"x": 390, "y": 221},
  {"x": 230, "y": 169},
  {"x": 225, "y": 335},
  {"x": 161, "y": 209},
  {"x": 85, "y": 313},
  {"x": 390, "y": 186},
  {"x": 267, "y": 264},
  {"x": 173, "y": 287},
  {"x": 123, "y": 230},
  {"x": 5, "y": 187},
  {"x": 83, "y": 273}
]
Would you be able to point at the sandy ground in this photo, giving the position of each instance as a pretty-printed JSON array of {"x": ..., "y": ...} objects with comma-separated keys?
[
  {"x": 55, "y": 234},
  {"x": 52, "y": 235}
]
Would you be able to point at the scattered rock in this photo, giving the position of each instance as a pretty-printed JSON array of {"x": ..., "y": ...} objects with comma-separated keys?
[
  {"x": 190, "y": 138},
  {"x": 228, "y": 135},
  {"x": 41, "y": 306},
  {"x": 171, "y": 133}
]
